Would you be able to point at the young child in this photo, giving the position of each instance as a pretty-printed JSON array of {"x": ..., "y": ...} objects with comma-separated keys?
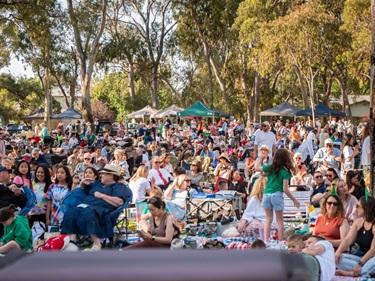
[
  {"x": 295, "y": 244},
  {"x": 258, "y": 244},
  {"x": 279, "y": 174},
  {"x": 17, "y": 233},
  {"x": 23, "y": 175},
  {"x": 56, "y": 193},
  {"x": 323, "y": 251}
]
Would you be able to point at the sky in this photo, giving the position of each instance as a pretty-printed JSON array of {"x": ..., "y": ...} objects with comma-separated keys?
[{"x": 17, "y": 68}]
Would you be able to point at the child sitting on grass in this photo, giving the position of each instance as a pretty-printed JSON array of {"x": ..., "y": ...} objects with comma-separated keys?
[{"x": 17, "y": 233}]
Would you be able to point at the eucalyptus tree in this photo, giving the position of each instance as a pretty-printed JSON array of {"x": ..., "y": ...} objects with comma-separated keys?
[
  {"x": 32, "y": 32},
  {"x": 205, "y": 27},
  {"x": 87, "y": 20},
  {"x": 153, "y": 23}
]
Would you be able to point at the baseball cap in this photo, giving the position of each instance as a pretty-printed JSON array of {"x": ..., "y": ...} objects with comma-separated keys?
[
  {"x": 2, "y": 168},
  {"x": 328, "y": 141},
  {"x": 35, "y": 150},
  {"x": 266, "y": 123}
]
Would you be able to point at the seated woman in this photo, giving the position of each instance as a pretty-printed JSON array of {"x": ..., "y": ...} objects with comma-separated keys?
[
  {"x": 176, "y": 195},
  {"x": 140, "y": 185},
  {"x": 349, "y": 201},
  {"x": 354, "y": 185},
  {"x": 146, "y": 215},
  {"x": 93, "y": 216},
  {"x": 195, "y": 173},
  {"x": 332, "y": 224},
  {"x": 235, "y": 182},
  {"x": 162, "y": 228},
  {"x": 302, "y": 177},
  {"x": 17, "y": 233},
  {"x": 361, "y": 262},
  {"x": 254, "y": 217}
]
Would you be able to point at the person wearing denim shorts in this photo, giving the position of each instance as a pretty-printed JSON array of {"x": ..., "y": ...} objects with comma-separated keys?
[{"x": 279, "y": 174}]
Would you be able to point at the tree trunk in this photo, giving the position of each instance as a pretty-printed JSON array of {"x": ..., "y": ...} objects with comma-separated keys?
[
  {"x": 303, "y": 87},
  {"x": 154, "y": 88},
  {"x": 131, "y": 81},
  {"x": 372, "y": 104},
  {"x": 47, "y": 99},
  {"x": 256, "y": 97},
  {"x": 86, "y": 99},
  {"x": 210, "y": 82}
]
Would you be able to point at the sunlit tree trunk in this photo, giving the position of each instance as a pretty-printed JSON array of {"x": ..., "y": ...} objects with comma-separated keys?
[{"x": 372, "y": 104}]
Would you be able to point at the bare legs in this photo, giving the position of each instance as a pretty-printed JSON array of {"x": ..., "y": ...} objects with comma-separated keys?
[{"x": 9, "y": 246}]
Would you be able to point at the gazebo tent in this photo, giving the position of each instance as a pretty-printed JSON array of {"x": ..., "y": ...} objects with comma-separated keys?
[
  {"x": 169, "y": 111},
  {"x": 70, "y": 113},
  {"x": 284, "y": 109},
  {"x": 36, "y": 114},
  {"x": 147, "y": 111},
  {"x": 198, "y": 109},
  {"x": 220, "y": 113},
  {"x": 320, "y": 110}
]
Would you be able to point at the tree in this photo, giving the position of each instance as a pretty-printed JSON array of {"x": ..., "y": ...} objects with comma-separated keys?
[
  {"x": 372, "y": 106},
  {"x": 87, "y": 20}
]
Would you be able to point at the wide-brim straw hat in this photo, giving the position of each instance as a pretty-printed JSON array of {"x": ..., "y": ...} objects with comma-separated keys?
[
  {"x": 111, "y": 169},
  {"x": 225, "y": 156}
]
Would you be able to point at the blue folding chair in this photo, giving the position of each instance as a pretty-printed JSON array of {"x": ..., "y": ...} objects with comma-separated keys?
[{"x": 30, "y": 202}]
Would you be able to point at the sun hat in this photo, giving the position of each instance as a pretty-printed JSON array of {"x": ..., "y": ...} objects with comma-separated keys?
[
  {"x": 265, "y": 147},
  {"x": 328, "y": 141},
  {"x": 111, "y": 169},
  {"x": 225, "y": 156},
  {"x": 35, "y": 150}
]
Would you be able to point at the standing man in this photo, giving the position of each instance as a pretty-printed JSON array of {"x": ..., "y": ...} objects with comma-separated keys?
[
  {"x": 265, "y": 137},
  {"x": 166, "y": 126}
]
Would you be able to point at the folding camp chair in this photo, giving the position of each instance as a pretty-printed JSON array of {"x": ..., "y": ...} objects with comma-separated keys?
[{"x": 30, "y": 202}]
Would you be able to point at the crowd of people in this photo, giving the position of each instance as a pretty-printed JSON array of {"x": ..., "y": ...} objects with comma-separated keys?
[{"x": 163, "y": 164}]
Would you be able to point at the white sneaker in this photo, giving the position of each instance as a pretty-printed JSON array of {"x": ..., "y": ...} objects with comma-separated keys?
[{"x": 94, "y": 248}]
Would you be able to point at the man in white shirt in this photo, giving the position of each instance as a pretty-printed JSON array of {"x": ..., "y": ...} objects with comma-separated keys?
[
  {"x": 162, "y": 176},
  {"x": 265, "y": 137},
  {"x": 73, "y": 142}
]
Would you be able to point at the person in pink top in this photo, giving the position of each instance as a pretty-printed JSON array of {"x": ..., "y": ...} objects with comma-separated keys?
[
  {"x": 23, "y": 175},
  {"x": 349, "y": 201}
]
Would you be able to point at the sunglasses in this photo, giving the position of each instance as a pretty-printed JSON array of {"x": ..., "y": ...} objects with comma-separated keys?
[
  {"x": 328, "y": 175},
  {"x": 87, "y": 158},
  {"x": 332, "y": 203},
  {"x": 193, "y": 164},
  {"x": 264, "y": 125},
  {"x": 157, "y": 162},
  {"x": 318, "y": 177},
  {"x": 152, "y": 200},
  {"x": 187, "y": 180},
  {"x": 329, "y": 145},
  {"x": 298, "y": 157}
]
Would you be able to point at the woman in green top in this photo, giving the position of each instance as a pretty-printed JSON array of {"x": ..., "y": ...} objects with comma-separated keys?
[
  {"x": 17, "y": 233},
  {"x": 279, "y": 174}
]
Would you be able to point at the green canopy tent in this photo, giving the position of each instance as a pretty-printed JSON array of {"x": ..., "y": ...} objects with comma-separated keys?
[{"x": 198, "y": 109}]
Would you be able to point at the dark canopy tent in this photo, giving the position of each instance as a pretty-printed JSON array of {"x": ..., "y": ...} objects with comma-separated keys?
[
  {"x": 284, "y": 109},
  {"x": 198, "y": 109},
  {"x": 70, "y": 113},
  {"x": 320, "y": 110},
  {"x": 220, "y": 113}
]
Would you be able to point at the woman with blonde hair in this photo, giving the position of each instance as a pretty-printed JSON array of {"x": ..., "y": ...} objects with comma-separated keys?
[
  {"x": 176, "y": 195},
  {"x": 165, "y": 160},
  {"x": 254, "y": 217},
  {"x": 140, "y": 185},
  {"x": 119, "y": 160}
]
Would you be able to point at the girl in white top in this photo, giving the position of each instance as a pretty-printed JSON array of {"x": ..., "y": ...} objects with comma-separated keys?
[
  {"x": 165, "y": 160},
  {"x": 348, "y": 153},
  {"x": 140, "y": 185},
  {"x": 254, "y": 217}
]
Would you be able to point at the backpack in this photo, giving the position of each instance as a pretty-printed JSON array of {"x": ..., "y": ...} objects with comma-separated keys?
[{"x": 56, "y": 243}]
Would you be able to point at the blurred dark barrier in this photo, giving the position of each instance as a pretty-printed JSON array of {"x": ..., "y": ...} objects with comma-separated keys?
[{"x": 156, "y": 265}]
